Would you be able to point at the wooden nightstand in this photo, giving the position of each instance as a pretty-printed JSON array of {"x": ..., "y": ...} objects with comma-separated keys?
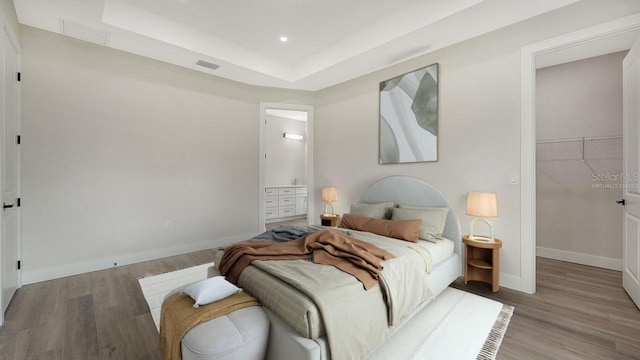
[
  {"x": 482, "y": 261},
  {"x": 329, "y": 220}
]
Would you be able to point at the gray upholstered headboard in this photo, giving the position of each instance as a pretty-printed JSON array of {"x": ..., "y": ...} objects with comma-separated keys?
[{"x": 413, "y": 191}]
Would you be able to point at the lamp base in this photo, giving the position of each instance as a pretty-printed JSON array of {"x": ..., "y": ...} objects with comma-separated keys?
[
  {"x": 481, "y": 238},
  {"x": 478, "y": 237},
  {"x": 328, "y": 206}
]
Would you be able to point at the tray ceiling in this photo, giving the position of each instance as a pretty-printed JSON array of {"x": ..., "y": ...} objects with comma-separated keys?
[{"x": 328, "y": 41}]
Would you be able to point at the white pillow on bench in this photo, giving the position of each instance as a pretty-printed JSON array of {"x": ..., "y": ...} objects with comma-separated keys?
[{"x": 213, "y": 289}]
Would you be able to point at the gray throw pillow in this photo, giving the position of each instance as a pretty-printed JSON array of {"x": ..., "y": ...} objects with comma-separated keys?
[
  {"x": 376, "y": 211},
  {"x": 433, "y": 219}
]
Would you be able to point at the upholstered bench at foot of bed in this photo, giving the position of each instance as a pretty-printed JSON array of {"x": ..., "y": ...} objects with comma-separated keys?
[{"x": 240, "y": 335}]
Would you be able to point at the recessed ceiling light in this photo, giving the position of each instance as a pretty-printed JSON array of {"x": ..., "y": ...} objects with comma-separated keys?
[{"x": 283, "y": 38}]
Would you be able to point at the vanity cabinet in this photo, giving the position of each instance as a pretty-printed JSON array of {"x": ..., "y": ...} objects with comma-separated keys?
[
  {"x": 301, "y": 201},
  {"x": 285, "y": 202}
]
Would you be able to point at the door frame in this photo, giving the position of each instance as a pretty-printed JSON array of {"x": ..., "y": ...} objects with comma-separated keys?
[
  {"x": 18, "y": 113},
  {"x": 263, "y": 161},
  {"x": 528, "y": 131}
]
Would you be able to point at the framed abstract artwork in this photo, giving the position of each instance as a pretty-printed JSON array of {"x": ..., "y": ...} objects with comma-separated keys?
[{"x": 409, "y": 117}]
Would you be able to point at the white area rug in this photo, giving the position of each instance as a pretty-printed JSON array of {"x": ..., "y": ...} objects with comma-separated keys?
[
  {"x": 455, "y": 325},
  {"x": 154, "y": 288}
]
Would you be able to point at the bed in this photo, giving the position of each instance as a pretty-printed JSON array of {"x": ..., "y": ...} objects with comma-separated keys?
[{"x": 297, "y": 326}]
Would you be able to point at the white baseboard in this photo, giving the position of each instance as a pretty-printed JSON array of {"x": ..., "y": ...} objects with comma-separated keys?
[
  {"x": 55, "y": 272},
  {"x": 579, "y": 258}
]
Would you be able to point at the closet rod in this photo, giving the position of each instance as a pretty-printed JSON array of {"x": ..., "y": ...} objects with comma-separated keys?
[{"x": 590, "y": 138}]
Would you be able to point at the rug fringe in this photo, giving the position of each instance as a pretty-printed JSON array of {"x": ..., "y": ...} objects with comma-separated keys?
[
  {"x": 178, "y": 269},
  {"x": 492, "y": 344}
]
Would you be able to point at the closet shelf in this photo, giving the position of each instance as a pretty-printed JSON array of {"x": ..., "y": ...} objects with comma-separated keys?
[
  {"x": 579, "y": 139},
  {"x": 584, "y": 148}
]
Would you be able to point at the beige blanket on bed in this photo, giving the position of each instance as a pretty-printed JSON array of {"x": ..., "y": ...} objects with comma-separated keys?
[{"x": 356, "y": 321}]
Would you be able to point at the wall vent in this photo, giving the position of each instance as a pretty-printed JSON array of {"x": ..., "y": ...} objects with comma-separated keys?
[
  {"x": 82, "y": 32},
  {"x": 207, "y": 64}
]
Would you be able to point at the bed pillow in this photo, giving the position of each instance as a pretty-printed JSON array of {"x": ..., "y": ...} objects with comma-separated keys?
[
  {"x": 210, "y": 290},
  {"x": 376, "y": 211},
  {"x": 398, "y": 229},
  {"x": 433, "y": 219}
]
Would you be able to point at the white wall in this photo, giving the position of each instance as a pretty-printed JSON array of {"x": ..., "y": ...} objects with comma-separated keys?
[
  {"x": 285, "y": 157},
  {"x": 479, "y": 123},
  {"x": 116, "y": 144},
  {"x": 577, "y": 217},
  {"x": 9, "y": 18}
]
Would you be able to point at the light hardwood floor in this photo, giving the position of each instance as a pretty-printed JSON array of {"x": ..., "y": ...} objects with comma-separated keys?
[
  {"x": 99, "y": 315},
  {"x": 579, "y": 312}
]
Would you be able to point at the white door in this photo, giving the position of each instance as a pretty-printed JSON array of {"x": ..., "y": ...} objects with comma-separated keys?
[
  {"x": 10, "y": 212},
  {"x": 631, "y": 160}
]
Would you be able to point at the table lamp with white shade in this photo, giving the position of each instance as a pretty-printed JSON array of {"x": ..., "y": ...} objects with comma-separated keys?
[
  {"x": 329, "y": 195},
  {"x": 482, "y": 205}
]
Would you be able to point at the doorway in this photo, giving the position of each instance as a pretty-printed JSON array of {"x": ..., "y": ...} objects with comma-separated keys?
[
  {"x": 579, "y": 161},
  {"x": 286, "y": 164},
  {"x": 613, "y": 36}
]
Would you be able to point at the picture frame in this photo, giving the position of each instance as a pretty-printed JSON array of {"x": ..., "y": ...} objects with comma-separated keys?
[{"x": 409, "y": 117}]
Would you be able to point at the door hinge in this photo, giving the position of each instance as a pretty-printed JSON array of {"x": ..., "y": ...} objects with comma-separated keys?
[
  {"x": 18, "y": 202},
  {"x": 19, "y": 77},
  {"x": 19, "y": 265},
  {"x": 18, "y": 139}
]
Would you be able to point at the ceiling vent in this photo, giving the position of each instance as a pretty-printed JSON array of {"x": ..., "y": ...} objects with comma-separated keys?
[
  {"x": 83, "y": 32},
  {"x": 207, "y": 64}
]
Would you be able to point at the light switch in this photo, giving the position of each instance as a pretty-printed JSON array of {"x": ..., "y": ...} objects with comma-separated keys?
[{"x": 513, "y": 178}]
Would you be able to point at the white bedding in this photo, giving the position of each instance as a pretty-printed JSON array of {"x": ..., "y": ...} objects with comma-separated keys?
[
  {"x": 286, "y": 343},
  {"x": 440, "y": 250}
]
